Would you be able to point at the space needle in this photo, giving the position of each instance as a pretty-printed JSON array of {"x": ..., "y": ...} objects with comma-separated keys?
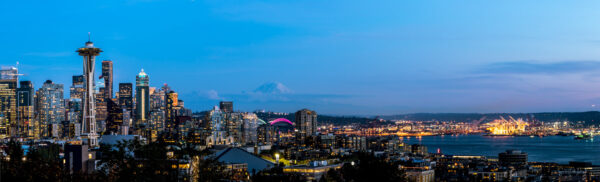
[{"x": 88, "y": 129}]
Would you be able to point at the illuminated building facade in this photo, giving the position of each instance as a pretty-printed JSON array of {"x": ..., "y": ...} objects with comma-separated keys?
[
  {"x": 77, "y": 90},
  {"x": 234, "y": 125},
  {"x": 217, "y": 127},
  {"x": 8, "y": 101},
  {"x": 157, "y": 121},
  {"x": 101, "y": 105},
  {"x": 7, "y": 109},
  {"x": 74, "y": 107},
  {"x": 171, "y": 110},
  {"x": 267, "y": 134},
  {"x": 158, "y": 100},
  {"x": 249, "y": 127},
  {"x": 50, "y": 110}
]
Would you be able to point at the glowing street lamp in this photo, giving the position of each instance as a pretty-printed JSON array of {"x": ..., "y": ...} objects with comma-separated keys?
[{"x": 277, "y": 158}]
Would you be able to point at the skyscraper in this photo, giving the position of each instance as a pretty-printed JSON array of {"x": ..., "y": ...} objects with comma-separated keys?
[
  {"x": 8, "y": 101},
  {"x": 114, "y": 121},
  {"x": 142, "y": 98},
  {"x": 226, "y": 106},
  {"x": 126, "y": 96},
  {"x": 89, "y": 53},
  {"x": 101, "y": 105},
  {"x": 171, "y": 110},
  {"x": 306, "y": 123},
  {"x": 107, "y": 75},
  {"x": 50, "y": 110},
  {"x": 25, "y": 109}
]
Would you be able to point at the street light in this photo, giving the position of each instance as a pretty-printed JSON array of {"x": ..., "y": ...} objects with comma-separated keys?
[{"x": 277, "y": 158}]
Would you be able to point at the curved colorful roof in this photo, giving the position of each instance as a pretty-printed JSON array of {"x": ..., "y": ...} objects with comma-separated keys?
[
  {"x": 279, "y": 120},
  {"x": 261, "y": 122}
]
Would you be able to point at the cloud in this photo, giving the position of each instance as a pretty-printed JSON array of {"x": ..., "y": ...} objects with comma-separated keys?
[
  {"x": 214, "y": 95},
  {"x": 273, "y": 88},
  {"x": 533, "y": 67}
]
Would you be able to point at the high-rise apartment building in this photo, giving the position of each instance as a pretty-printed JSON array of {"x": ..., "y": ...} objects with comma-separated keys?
[
  {"x": 49, "y": 109},
  {"x": 171, "y": 110},
  {"x": 78, "y": 88},
  {"x": 306, "y": 123},
  {"x": 158, "y": 100}
]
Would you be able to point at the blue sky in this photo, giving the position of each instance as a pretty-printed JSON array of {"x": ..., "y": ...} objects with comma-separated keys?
[{"x": 337, "y": 57}]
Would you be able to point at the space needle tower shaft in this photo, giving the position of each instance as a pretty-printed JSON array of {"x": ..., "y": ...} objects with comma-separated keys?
[{"x": 89, "y": 53}]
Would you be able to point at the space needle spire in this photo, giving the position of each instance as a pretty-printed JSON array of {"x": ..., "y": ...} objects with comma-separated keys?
[{"x": 89, "y": 53}]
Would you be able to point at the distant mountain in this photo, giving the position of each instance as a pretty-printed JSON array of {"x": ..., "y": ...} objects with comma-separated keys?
[
  {"x": 322, "y": 119},
  {"x": 590, "y": 117}
]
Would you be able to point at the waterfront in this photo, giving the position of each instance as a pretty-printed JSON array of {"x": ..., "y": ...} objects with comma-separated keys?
[{"x": 560, "y": 149}]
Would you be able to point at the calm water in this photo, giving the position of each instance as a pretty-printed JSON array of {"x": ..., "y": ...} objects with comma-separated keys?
[{"x": 560, "y": 149}]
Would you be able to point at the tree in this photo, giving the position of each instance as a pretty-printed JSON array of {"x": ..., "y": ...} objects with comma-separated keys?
[{"x": 371, "y": 168}]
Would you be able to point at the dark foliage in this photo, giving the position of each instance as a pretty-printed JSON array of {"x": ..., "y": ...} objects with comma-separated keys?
[{"x": 367, "y": 168}]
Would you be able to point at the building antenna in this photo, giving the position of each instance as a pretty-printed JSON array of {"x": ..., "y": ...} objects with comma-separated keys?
[{"x": 89, "y": 37}]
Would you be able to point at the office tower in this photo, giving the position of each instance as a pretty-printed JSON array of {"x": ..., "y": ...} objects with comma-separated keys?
[
  {"x": 126, "y": 96},
  {"x": 101, "y": 105},
  {"x": 8, "y": 101},
  {"x": 49, "y": 109},
  {"x": 226, "y": 106},
  {"x": 107, "y": 75},
  {"x": 114, "y": 121},
  {"x": 89, "y": 53},
  {"x": 306, "y": 123},
  {"x": 142, "y": 98},
  {"x": 25, "y": 109}
]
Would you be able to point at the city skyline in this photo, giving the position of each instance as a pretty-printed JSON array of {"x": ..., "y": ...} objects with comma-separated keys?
[{"x": 513, "y": 58}]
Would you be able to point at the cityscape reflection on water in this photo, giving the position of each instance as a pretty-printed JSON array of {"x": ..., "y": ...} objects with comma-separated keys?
[{"x": 560, "y": 149}]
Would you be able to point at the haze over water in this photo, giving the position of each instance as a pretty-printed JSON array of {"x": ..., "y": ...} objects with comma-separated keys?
[{"x": 560, "y": 149}]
